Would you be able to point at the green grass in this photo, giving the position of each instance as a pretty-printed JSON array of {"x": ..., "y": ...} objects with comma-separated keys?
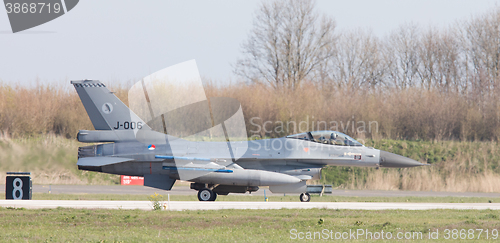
[
  {"x": 254, "y": 198},
  {"x": 436, "y": 152},
  {"x": 77, "y": 225},
  {"x": 448, "y": 158}
]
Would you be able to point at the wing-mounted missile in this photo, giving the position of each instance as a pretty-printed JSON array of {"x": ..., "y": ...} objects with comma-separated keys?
[{"x": 193, "y": 167}]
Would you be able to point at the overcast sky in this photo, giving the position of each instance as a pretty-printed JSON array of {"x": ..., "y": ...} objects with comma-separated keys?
[{"x": 119, "y": 41}]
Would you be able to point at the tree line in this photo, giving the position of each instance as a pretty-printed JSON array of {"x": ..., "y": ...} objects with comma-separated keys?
[
  {"x": 293, "y": 46},
  {"x": 292, "y": 42}
]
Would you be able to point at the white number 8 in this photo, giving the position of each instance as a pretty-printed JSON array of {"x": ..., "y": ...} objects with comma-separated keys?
[{"x": 17, "y": 188}]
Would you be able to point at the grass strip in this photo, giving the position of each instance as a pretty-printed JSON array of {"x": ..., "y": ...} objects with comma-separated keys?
[{"x": 76, "y": 225}]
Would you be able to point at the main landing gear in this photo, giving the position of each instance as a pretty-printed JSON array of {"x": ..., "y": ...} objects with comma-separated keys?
[
  {"x": 305, "y": 197},
  {"x": 206, "y": 191},
  {"x": 206, "y": 194}
]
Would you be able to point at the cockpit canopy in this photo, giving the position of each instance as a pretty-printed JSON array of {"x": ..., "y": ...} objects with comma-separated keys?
[{"x": 327, "y": 137}]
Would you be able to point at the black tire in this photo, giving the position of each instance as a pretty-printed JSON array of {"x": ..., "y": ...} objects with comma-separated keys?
[
  {"x": 305, "y": 197},
  {"x": 205, "y": 195},
  {"x": 214, "y": 197}
]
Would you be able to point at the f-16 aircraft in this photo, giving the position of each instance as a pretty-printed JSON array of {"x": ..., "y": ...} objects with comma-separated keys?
[{"x": 131, "y": 147}]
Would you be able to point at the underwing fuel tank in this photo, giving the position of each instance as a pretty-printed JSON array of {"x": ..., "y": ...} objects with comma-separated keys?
[{"x": 247, "y": 177}]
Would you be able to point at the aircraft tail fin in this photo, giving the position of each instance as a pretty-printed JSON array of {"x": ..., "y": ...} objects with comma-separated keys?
[{"x": 105, "y": 110}]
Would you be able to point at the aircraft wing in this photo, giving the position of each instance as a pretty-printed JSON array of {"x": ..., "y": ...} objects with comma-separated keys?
[
  {"x": 188, "y": 158},
  {"x": 192, "y": 167},
  {"x": 195, "y": 164}
]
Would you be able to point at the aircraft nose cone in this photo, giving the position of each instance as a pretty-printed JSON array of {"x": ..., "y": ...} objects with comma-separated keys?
[{"x": 396, "y": 161}]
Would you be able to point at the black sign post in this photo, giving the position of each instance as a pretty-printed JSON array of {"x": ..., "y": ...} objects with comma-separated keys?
[{"x": 18, "y": 186}]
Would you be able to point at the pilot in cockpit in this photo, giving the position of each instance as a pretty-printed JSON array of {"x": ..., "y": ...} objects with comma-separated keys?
[{"x": 334, "y": 139}]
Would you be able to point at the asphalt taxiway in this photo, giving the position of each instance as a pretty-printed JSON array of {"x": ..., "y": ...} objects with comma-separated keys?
[
  {"x": 194, "y": 205},
  {"x": 184, "y": 190},
  {"x": 217, "y": 205}
]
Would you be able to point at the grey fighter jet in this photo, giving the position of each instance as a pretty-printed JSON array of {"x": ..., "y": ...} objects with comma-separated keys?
[{"x": 131, "y": 147}]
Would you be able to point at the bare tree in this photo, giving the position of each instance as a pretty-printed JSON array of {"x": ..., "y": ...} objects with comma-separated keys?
[
  {"x": 481, "y": 43},
  {"x": 357, "y": 61},
  {"x": 430, "y": 55},
  {"x": 401, "y": 56},
  {"x": 287, "y": 44},
  {"x": 451, "y": 73}
]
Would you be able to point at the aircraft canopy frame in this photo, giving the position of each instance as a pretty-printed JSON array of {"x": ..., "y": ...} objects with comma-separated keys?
[{"x": 326, "y": 137}]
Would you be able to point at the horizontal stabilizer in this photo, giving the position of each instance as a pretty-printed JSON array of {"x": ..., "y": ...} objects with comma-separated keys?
[
  {"x": 101, "y": 136},
  {"x": 101, "y": 161}
]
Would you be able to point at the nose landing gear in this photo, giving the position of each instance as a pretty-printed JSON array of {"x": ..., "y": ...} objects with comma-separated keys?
[{"x": 305, "y": 197}]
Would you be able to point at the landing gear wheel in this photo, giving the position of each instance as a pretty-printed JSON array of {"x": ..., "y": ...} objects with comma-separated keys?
[
  {"x": 305, "y": 197},
  {"x": 206, "y": 194},
  {"x": 214, "y": 197}
]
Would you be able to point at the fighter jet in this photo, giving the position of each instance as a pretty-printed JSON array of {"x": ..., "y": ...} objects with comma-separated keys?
[{"x": 131, "y": 147}]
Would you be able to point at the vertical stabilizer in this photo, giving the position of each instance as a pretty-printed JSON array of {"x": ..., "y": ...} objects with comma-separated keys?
[{"x": 105, "y": 110}]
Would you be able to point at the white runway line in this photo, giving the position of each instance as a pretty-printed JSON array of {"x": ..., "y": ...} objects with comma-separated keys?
[{"x": 195, "y": 205}]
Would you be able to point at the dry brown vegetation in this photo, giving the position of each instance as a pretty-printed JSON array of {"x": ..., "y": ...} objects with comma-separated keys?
[
  {"x": 456, "y": 166},
  {"x": 427, "y": 118},
  {"x": 412, "y": 113},
  {"x": 43, "y": 109},
  {"x": 415, "y": 84}
]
